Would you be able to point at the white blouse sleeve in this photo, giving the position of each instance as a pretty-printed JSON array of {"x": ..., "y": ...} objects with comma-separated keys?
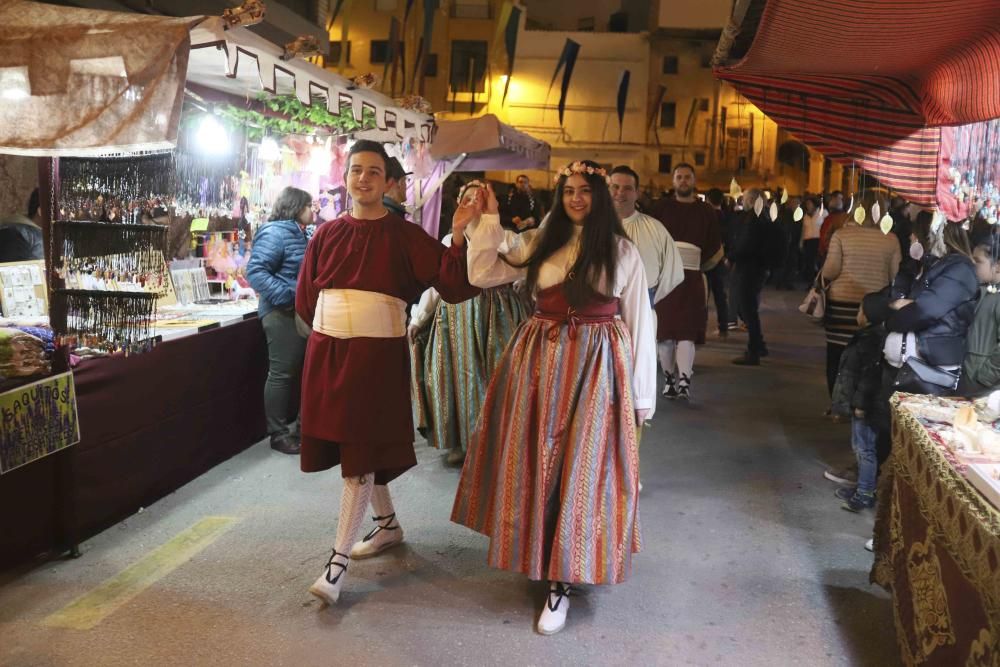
[
  {"x": 671, "y": 269},
  {"x": 638, "y": 317},
  {"x": 488, "y": 240},
  {"x": 424, "y": 311}
]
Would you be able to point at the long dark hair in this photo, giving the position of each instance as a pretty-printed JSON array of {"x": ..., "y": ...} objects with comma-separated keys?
[
  {"x": 598, "y": 245},
  {"x": 289, "y": 204}
]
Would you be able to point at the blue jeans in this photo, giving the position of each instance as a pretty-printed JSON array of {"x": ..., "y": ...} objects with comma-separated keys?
[{"x": 863, "y": 439}]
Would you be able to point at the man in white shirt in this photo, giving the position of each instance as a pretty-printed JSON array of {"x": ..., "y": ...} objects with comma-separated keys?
[{"x": 660, "y": 257}]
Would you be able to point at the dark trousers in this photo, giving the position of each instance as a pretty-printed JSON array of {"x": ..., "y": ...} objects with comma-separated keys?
[
  {"x": 286, "y": 350},
  {"x": 750, "y": 282},
  {"x": 810, "y": 250},
  {"x": 734, "y": 292},
  {"x": 717, "y": 279},
  {"x": 833, "y": 354}
]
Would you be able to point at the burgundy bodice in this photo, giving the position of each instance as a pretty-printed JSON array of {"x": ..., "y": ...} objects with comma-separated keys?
[{"x": 551, "y": 305}]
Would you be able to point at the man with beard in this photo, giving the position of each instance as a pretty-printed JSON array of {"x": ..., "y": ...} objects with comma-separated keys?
[
  {"x": 683, "y": 315},
  {"x": 521, "y": 210}
]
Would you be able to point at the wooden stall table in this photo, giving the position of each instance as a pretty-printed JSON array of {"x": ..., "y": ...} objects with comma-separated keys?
[
  {"x": 149, "y": 423},
  {"x": 937, "y": 544}
]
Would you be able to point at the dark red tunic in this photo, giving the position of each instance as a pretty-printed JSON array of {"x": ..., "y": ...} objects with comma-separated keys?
[
  {"x": 683, "y": 314},
  {"x": 356, "y": 392}
]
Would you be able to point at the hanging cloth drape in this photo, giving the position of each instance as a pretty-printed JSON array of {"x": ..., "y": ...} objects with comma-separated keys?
[
  {"x": 872, "y": 82},
  {"x": 85, "y": 82}
]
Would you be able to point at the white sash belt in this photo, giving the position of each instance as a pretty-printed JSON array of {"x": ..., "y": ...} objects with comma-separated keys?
[
  {"x": 349, "y": 313},
  {"x": 690, "y": 255}
]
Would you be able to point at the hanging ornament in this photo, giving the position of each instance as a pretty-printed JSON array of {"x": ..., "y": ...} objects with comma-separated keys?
[
  {"x": 734, "y": 189},
  {"x": 767, "y": 193},
  {"x": 850, "y": 204},
  {"x": 784, "y": 196},
  {"x": 938, "y": 221},
  {"x": 860, "y": 215},
  {"x": 773, "y": 211},
  {"x": 758, "y": 206},
  {"x": 885, "y": 224},
  {"x": 798, "y": 214},
  {"x": 876, "y": 211}
]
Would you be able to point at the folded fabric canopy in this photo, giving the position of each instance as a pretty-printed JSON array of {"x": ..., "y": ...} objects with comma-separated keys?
[
  {"x": 488, "y": 144},
  {"x": 868, "y": 82}
]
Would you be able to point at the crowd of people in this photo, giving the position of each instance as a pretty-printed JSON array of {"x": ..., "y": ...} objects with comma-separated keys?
[{"x": 527, "y": 343}]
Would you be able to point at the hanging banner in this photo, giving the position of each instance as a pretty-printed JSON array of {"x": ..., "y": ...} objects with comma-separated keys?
[
  {"x": 654, "y": 107},
  {"x": 430, "y": 6},
  {"x": 622, "y": 99},
  {"x": 510, "y": 41},
  {"x": 502, "y": 19},
  {"x": 36, "y": 420},
  {"x": 392, "y": 55},
  {"x": 567, "y": 60}
]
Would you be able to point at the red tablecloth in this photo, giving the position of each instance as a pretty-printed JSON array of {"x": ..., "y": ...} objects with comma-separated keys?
[{"x": 149, "y": 424}]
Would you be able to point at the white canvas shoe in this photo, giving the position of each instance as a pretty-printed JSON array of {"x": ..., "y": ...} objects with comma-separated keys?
[
  {"x": 553, "y": 618},
  {"x": 327, "y": 587},
  {"x": 385, "y": 535}
]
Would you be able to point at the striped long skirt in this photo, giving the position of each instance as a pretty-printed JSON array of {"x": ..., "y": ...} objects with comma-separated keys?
[
  {"x": 465, "y": 344},
  {"x": 552, "y": 474}
]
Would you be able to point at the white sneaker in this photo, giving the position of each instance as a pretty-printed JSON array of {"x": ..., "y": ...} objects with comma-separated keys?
[
  {"x": 383, "y": 536},
  {"x": 553, "y": 618},
  {"x": 870, "y": 544},
  {"x": 327, "y": 587}
]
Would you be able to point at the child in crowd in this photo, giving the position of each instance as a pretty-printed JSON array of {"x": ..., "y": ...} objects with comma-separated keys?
[
  {"x": 981, "y": 368},
  {"x": 855, "y": 392}
]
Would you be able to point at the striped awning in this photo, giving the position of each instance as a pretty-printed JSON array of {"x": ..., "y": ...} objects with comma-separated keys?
[{"x": 869, "y": 82}]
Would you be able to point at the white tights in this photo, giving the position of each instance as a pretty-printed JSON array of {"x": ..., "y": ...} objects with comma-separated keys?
[
  {"x": 358, "y": 492},
  {"x": 676, "y": 357}
]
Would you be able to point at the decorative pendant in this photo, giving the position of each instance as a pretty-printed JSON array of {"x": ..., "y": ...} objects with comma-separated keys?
[
  {"x": 886, "y": 223},
  {"x": 798, "y": 214},
  {"x": 758, "y": 206},
  {"x": 773, "y": 212},
  {"x": 784, "y": 196}
]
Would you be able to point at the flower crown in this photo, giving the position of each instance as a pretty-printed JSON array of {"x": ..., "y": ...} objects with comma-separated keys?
[
  {"x": 474, "y": 183},
  {"x": 581, "y": 168}
]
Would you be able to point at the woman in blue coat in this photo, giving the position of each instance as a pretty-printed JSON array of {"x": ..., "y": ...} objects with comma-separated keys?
[{"x": 273, "y": 271}]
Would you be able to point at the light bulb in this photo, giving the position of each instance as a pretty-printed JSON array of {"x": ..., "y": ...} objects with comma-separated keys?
[
  {"x": 269, "y": 150},
  {"x": 212, "y": 137}
]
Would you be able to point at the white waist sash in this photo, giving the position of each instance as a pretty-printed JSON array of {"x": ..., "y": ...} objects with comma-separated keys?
[
  {"x": 349, "y": 313},
  {"x": 690, "y": 255}
]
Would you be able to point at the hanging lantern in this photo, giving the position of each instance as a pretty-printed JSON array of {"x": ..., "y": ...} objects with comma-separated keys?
[{"x": 734, "y": 189}]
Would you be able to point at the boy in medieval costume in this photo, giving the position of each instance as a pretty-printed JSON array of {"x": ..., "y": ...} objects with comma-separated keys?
[
  {"x": 552, "y": 476},
  {"x": 358, "y": 275}
]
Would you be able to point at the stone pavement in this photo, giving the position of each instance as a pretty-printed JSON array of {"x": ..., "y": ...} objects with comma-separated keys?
[{"x": 747, "y": 558}]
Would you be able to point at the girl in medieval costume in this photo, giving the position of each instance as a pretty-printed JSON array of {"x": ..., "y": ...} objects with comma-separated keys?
[
  {"x": 552, "y": 474},
  {"x": 464, "y": 346}
]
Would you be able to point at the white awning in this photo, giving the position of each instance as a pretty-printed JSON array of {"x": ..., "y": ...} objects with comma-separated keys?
[
  {"x": 238, "y": 62},
  {"x": 489, "y": 144}
]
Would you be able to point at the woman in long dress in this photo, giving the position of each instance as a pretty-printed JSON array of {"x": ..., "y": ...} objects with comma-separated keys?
[
  {"x": 465, "y": 343},
  {"x": 552, "y": 474}
]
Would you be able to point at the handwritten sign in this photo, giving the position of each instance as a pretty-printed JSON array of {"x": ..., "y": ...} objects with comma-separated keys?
[{"x": 36, "y": 420}]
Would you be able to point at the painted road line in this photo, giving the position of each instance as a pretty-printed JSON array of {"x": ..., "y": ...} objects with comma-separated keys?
[{"x": 90, "y": 609}]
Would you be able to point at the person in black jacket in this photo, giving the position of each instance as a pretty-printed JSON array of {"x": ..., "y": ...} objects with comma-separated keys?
[
  {"x": 855, "y": 394},
  {"x": 748, "y": 254},
  {"x": 929, "y": 308}
]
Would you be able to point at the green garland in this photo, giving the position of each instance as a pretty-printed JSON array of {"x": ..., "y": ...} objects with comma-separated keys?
[{"x": 299, "y": 118}]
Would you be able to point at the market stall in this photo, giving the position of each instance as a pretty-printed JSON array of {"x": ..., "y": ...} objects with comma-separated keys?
[
  {"x": 937, "y": 532},
  {"x": 168, "y": 383}
]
